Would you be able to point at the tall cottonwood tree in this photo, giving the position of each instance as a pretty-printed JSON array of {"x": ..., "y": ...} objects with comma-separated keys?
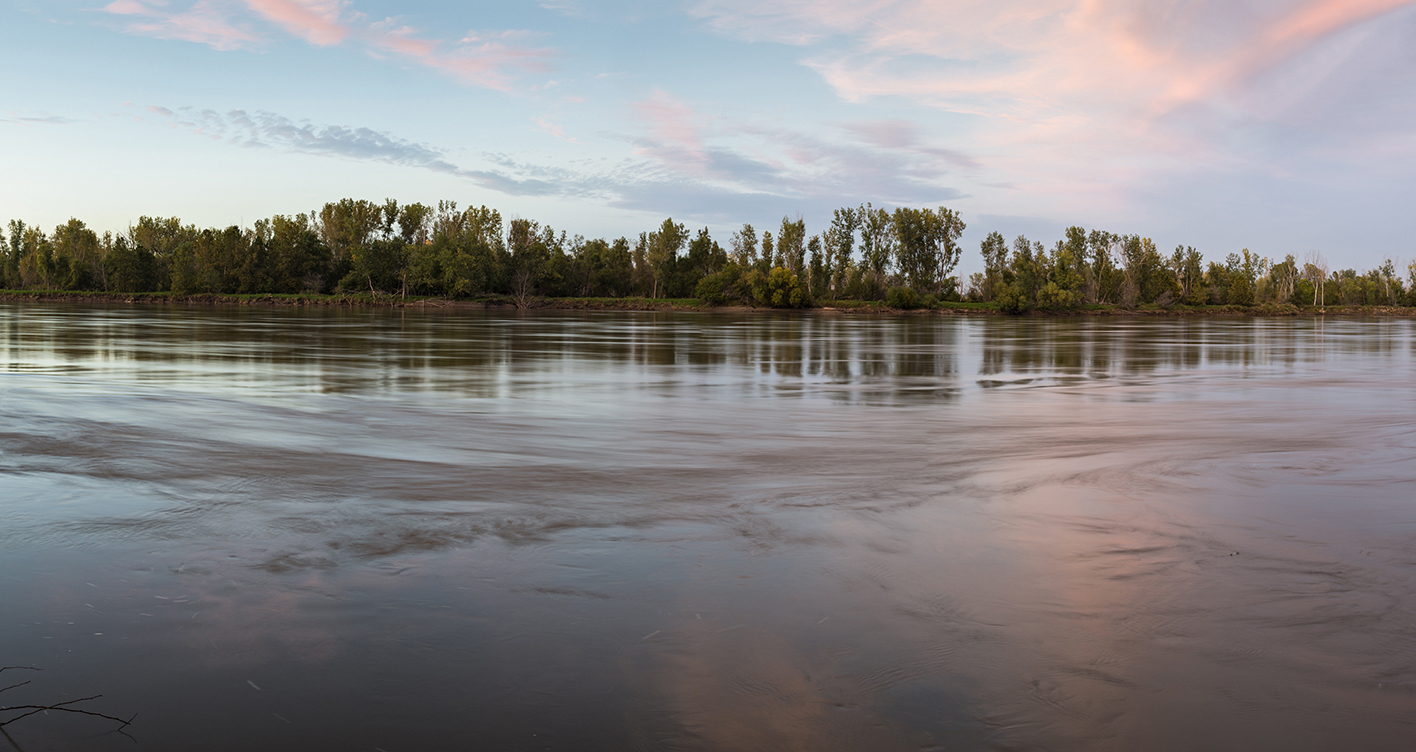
[
  {"x": 663, "y": 247},
  {"x": 877, "y": 241}
]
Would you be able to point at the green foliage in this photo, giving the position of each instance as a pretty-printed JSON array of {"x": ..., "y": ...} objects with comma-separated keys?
[
  {"x": 906, "y": 258},
  {"x": 877, "y": 241},
  {"x": 819, "y": 274},
  {"x": 722, "y": 286},
  {"x": 1012, "y": 298},
  {"x": 533, "y": 251},
  {"x": 376, "y": 266},
  {"x": 299, "y": 259},
  {"x": 704, "y": 257},
  {"x": 839, "y": 244},
  {"x": 791, "y": 248},
  {"x": 744, "y": 243},
  {"x": 131, "y": 268},
  {"x": 926, "y": 245},
  {"x": 995, "y": 263},
  {"x": 863, "y": 284},
  {"x": 663, "y": 247},
  {"x": 780, "y": 289},
  {"x": 904, "y": 298},
  {"x": 1053, "y": 297},
  {"x": 979, "y": 290}
]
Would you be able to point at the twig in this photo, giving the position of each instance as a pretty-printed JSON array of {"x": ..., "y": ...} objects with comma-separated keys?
[
  {"x": 12, "y": 686},
  {"x": 33, "y": 709},
  {"x": 62, "y": 707},
  {"x": 17, "y": 668}
]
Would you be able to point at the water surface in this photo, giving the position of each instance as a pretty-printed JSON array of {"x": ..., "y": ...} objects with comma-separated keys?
[{"x": 292, "y": 529}]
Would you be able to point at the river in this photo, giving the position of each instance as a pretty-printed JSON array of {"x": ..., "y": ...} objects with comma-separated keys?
[{"x": 309, "y": 529}]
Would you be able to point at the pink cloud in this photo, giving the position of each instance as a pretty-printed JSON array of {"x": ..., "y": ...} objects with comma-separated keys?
[
  {"x": 906, "y": 136},
  {"x": 315, "y": 21},
  {"x": 203, "y": 23},
  {"x": 555, "y": 129},
  {"x": 491, "y": 59},
  {"x": 677, "y": 142},
  {"x": 126, "y": 8},
  {"x": 479, "y": 58},
  {"x": 1079, "y": 95},
  {"x": 1025, "y": 57}
]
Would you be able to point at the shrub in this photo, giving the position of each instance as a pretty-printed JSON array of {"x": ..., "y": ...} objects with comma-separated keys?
[
  {"x": 904, "y": 298},
  {"x": 720, "y": 287},
  {"x": 1012, "y": 300},
  {"x": 780, "y": 289},
  {"x": 1051, "y": 296}
]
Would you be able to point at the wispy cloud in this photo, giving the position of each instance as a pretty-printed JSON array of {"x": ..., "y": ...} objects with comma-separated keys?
[
  {"x": 714, "y": 157},
  {"x": 19, "y": 119},
  {"x": 1025, "y": 57},
  {"x": 1077, "y": 95},
  {"x": 493, "y": 59},
  {"x": 674, "y": 134},
  {"x": 204, "y": 22},
  {"x": 267, "y": 130},
  {"x": 736, "y": 169},
  {"x": 554, "y": 128},
  {"x": 907, "y": 137},
  {"x": 485, "y": 58},
  {"x": 316, "y": 21},
  {"x": 572, "y": 8}
]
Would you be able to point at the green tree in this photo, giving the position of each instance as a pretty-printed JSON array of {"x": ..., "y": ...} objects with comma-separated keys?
[
  {"x": 1389, "y": 285},
  {"x": 1187, "y": 266},
  {"x": 1315, "y": 270},
  {"x": 11, "y": 269},
  {"x": 1063, "y": 288},
  {"x": 915, "y": 230},
  {"x": 662, "y": 251},
  {"x": 78, "y": 258},
  {"x": 877, "y": 243},
  {"x": 531, "y": 250},
  {"x": 1242, "y": 271},
  {"x": 1147, "y": 278},
  {"x": 994, "y": 250},
  {"x": 1107, "y": 280},
  {"x": 791, "y": 246},
  {"x": 300, "y": 261},
  {"x": 781, "y": 289},
  {"x": 1029, "y": 272},
  {"x": 744, "y": 243},
  {"x": 840, "y": 246},
  {"x": 163, "y": 236},
  {"x": 1282, "y": 279},
  {"x": 705, "y": 256},
  {"x": 347, "y": 227},
  {"x": 413, "y": 223},
  {"x": 614, "y": 271},
  {"x": 733, "y": 282},
  {"x": 1075, "y": 240},
  {"x": 819, "y": 276}
]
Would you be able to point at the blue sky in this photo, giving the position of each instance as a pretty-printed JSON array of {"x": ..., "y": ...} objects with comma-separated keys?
[{"x": 1282, "y": 126}]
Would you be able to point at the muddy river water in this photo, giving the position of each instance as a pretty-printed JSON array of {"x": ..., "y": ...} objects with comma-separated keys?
[{"x": 289, "y": 529}]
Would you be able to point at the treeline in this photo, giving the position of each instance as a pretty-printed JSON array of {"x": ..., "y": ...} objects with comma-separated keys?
[
  {"x": 905, "y": 258},
  {"x": 1128, "y": 271}
]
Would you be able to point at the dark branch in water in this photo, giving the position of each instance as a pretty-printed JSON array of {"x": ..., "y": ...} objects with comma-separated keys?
[
  {"x": 62, "y": 707},
  {"x": 17, "y": 668}
]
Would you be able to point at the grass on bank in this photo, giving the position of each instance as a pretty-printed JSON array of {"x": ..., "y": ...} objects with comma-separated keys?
[{"x": 681, "y": 304}]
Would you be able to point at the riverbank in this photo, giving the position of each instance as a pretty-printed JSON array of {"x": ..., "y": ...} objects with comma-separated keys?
[{"x": 365, "y": 300}]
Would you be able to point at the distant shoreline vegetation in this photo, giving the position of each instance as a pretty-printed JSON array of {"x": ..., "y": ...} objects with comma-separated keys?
[{"x": 355, "y": 252}]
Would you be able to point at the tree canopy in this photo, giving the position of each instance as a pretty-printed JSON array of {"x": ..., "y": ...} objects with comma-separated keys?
[{"x": 906, "y": 256}]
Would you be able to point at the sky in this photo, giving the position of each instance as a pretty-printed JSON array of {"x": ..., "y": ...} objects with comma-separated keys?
[{"x": 1282, "y": 126}]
